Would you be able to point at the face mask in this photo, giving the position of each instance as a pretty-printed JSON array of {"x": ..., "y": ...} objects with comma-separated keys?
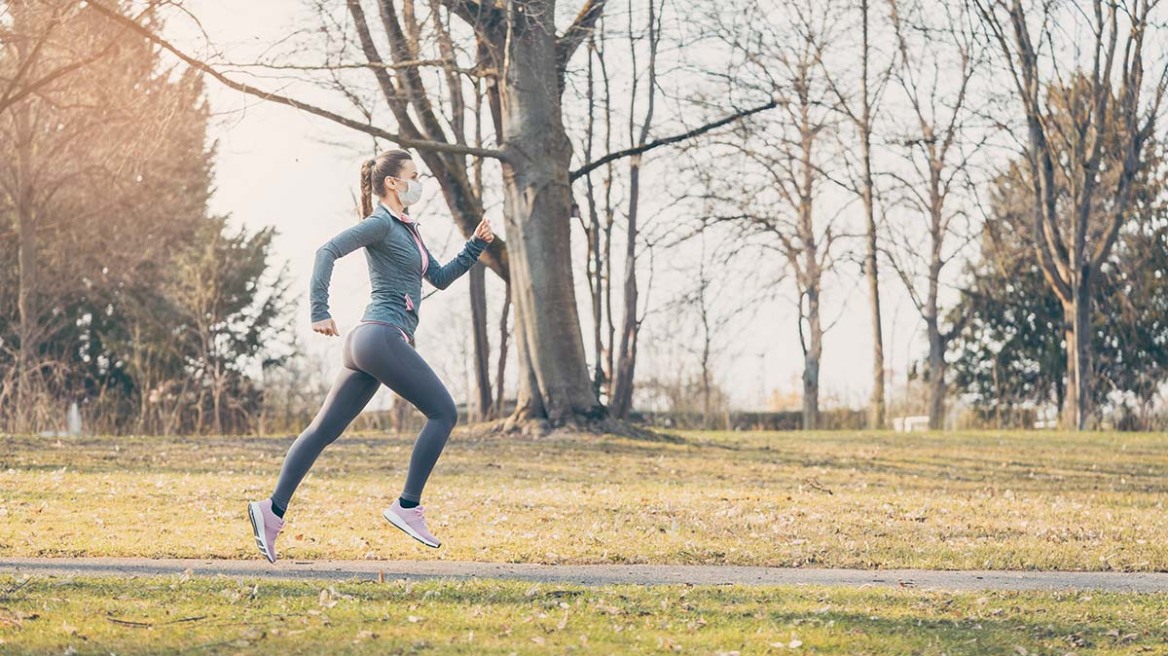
[{"x": 412, "y": 194}]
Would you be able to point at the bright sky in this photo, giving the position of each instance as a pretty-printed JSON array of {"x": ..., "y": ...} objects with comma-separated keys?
[{"x": 278, "y": 166}]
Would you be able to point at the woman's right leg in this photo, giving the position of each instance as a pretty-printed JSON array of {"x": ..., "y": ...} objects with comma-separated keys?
[
  {"x": 350, "y": 393},
  {"x": 381, "y": 350}
]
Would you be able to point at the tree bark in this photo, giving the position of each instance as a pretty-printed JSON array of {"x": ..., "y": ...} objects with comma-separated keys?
[
  {"x": 482, "y": 347},
  {"x": 937, "y": 370},
  {"x": 1077, "y": 329},
  {"x": 812, "y": 356},
  {"x": 497, "y": 410},
  {"x": 554, "y": 384},
  {"x": 27, "y": 264}
]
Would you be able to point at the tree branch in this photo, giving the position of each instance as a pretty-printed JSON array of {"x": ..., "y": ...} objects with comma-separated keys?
[
  {"x": 581, "y": 27},
  {"x": 407, "y": 142},
  {"x": 629, "y": 152}
]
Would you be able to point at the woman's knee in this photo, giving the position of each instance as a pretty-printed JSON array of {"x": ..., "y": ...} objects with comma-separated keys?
[{"x": 444, "y": 411}]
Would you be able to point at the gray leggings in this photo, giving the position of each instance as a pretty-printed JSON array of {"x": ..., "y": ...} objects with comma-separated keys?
[{"x": 375, "y": 353}]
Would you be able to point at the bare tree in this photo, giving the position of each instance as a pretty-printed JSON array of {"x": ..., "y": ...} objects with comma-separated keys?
[
  {"x": 51, "y": 149},
  {"x": 939, "y": 56},
  {"x": 858, "y": 99},
  {"x": 598, "y": 267},
  {"x": 30, "y": 35},
  {"x": 1104, "y": 93},
  {"x": 621, "y": 400},
  {"x": 779, "y": 165}
]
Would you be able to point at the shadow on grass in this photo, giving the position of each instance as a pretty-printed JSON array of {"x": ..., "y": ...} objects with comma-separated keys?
[{"x": 173, "y": 614}]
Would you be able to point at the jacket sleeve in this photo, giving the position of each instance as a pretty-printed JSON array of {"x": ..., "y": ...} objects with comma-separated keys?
[
  {"x": 441, "y": 275},
  {"x": 364, "y": 233}
]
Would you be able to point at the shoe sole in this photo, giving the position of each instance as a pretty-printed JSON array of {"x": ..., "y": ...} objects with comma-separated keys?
[
  {"x": 400, "y": 523},
  {"x": 261, "y": 541}
]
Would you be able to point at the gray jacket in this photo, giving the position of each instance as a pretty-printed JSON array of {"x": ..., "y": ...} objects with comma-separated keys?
[{"x": 395, "y": 268}]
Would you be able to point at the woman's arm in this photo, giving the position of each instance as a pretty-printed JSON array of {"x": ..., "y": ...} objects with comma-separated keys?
[
  {"x": 441, "y": 275},
  {"x": 362, "y": 234}
]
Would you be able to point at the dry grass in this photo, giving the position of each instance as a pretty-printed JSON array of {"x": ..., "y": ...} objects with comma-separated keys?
[{"x": 944, "y": 501}]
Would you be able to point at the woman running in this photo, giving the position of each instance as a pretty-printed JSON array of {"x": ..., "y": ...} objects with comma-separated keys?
[{"x": 379, "y": 350}]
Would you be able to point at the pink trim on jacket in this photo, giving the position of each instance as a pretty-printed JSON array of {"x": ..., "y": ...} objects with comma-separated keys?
[{"x": 413, "y": 232}]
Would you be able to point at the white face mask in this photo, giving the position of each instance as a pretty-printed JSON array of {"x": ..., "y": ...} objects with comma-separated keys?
[{"x": 412, "y": 194}]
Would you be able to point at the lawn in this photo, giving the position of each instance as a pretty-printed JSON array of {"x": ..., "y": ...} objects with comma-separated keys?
[
  {"x": 1038, "y": 500},
  {"x": 176, "y": 614}
]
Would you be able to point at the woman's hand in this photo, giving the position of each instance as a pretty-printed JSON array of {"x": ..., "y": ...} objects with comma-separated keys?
[
  {"x": 483, "y": 231},
  {"x": 326, "y": 327}
]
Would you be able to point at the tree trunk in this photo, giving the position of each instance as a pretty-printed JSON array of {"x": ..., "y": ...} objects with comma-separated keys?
[
  {"x": 622, "y": 395},
  {"x": 497, "y": 410},
  {"x": 27, "y": 263},
  {"x": 870, "y": 269},
  {"x": 1077, "y": 329},
  {"x": 479, "y": 410},
  {"x": 937, "y": 367},
  {"x": 811, "y": 359},
  {"x": 554, "y": 383}
]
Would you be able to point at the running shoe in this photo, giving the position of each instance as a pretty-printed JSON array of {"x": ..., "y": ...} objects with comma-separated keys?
[
  {"x": 266, "y": 526},
  {"x": 412, "y": 521}
]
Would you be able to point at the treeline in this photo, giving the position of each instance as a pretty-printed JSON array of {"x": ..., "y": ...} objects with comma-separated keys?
[
  {"x": 1000, "y": 162},
  {"x": 118, "y": 291}
]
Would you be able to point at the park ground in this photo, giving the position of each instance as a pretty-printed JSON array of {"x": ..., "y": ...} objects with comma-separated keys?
[{"x": 1010, "y": 501}]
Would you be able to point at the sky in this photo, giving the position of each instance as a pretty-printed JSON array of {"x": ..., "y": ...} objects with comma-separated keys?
[{"x": 277, "y": 166}]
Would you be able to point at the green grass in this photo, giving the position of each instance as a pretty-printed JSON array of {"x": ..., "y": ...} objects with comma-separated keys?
[
  {"x": 164, "y": 615},
  {"x": 872, "y": 500}
]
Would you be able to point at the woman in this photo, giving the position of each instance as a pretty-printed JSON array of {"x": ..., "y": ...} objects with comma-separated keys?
[{"x": 380, "y": 349}]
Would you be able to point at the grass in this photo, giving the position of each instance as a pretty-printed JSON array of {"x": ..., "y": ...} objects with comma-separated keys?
[
  {"x": 171, "y": 615},
  {"x": 871, "y": 500}
]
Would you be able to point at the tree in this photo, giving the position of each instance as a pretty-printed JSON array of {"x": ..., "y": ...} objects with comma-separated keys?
[
  {"x": 858, "y": 99},
  {"x": 776, "y": 168},
  {"x": 621, "y": 398},
  {"x": 1110, "y": 110},
  {"x": 105, "y": 177},
  {"x": 230, "y": 310},
  {"x": 1010, "y": 353},
  {"x": 31, "y": 34},
  {"x": 518, "y": 48},
  {"x": 939, "y": 56},
  {"x": 80, "y": 157}
]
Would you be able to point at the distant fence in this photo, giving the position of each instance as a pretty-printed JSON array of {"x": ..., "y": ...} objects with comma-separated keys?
[{"x": 776, "y": 421}]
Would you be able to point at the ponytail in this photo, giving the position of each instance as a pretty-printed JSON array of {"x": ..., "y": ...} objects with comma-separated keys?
[{"x": 367, "y": 187}]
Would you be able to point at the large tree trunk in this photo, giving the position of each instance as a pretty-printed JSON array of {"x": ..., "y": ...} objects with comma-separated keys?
[
  {"x": 482, "y": 348},
  {"x": 554, "y": 382}
]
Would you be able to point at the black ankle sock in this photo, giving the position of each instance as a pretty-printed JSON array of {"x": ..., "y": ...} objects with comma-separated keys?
[
  {"x": 278, "y": 510},
  {"x": 406, "y": 503}
]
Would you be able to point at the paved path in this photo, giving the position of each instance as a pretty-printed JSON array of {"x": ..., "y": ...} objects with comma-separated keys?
[{"x": 593, "y": 574}]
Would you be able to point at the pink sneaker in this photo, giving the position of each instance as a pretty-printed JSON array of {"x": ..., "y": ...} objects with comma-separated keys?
[
  {"x": 266, "y": 526},
  {"x": 412, "y": 521}
]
